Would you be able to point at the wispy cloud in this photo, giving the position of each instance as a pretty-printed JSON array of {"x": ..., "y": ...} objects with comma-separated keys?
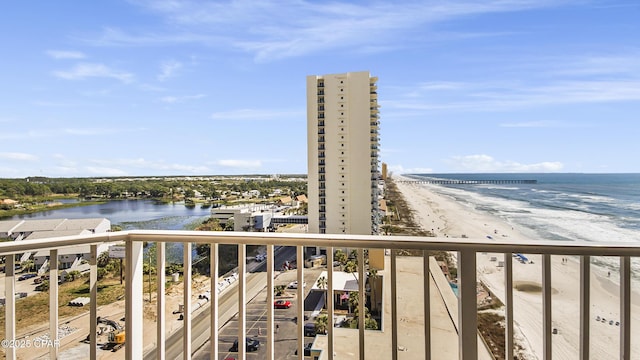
[
  {"x": 63, "y": 54},
  {"x": 545, "y": 124},
  {"x": 89, "y": 131},
  {"x": 501, "y": 97},
  {"x": 141, "y": 165},
  {"x": 117, "y": 37},
  {"x": 240, "y": 164},
  {"x": 181, "y": 99},
  {"x": 256, "y": 114},
  {"x": 602, "y": 65},
  {"x": 16, "y": 156},
  {"x": 105, "y": 171},
  {"x": 486, "y": 163},
  {"x": 91, "y": 70},
  {"x": 274, "y": 29},
  {"x": 399, "y": 169},
  {"x": 168, "y": 69},
  {"x": 57, "y": 132}
]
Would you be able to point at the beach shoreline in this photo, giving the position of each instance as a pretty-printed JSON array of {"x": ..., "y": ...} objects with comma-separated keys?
[{"x": 446, "y": 217}]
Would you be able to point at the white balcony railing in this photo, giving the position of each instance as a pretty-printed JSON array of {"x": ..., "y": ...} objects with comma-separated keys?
[{"x": 467, "y": 250}]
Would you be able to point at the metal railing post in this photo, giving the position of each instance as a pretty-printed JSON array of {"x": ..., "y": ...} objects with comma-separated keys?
[
  {"x": 160, "y": 301},
  {"x": 426, "y": 304},
  {"x": 93, "y": 316},
  {"x": 467, "y": 306},
  {"x": 585, "y": 311},
  {"x": 242, "y": 301},
  {"x": 53, "y": 303},
  {"x": 329, "y": 301},
  {"x": 546, "y": 306},
  {"x": 134, "y": 309},
  {"x": 270, "y": 300},
  {"x": 300, "y": 301},
  {"x": 508, "y": 314},
  {"x": 625, "y": 308},
  {"x": 10, "y": 304},
  {"x": 394, "y": 307},
  {"x": 215, "y": 299},
  {"x": 362, "y": 279},
  {"x": 186, "y": 299}
]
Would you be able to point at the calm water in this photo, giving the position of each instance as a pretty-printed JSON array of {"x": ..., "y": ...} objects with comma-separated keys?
[{"x": 131, "y": 214}]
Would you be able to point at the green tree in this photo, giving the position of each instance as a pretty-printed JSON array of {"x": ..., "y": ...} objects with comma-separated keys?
[
  {"x": 372, "y": 277},
  {"x": 341, "y": 258},
  {"x": 354, "y": 300},
  {"x": 369, "y": 322},
  {"x": 28, "y": 265},
  {"x": 72, "y": 275},
  {"x": 103, "y": 259},
  {"x": 321, "y": 323},
  {"x": 322, "y": 284},
  {"x": 351, "y": 266},
  {"x": 278, "y": 290}
]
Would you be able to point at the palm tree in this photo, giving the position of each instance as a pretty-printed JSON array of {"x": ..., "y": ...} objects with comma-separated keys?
[
  {"x": 321, "y": 323},
  {"x": 369, "y": 322},
  {"x": 322, "y": 284},
  {"x": 354, "y": 300},
  {"x": 341, "y": 257},
  {"x": 351, "y": 266},
  {"x": 278, "y": 290},
  {"x": 373, "y": 279},
  {"x": 28, "y": 264}
]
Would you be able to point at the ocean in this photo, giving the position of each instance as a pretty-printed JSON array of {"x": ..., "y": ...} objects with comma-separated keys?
[{"x": 570, "y": 206}]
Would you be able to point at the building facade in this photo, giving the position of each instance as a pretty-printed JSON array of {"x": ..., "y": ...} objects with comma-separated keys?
[{"x": 343, "y": 146}]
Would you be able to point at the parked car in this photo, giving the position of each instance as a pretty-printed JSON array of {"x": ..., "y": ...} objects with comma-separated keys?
[
  {"x": 205, "y": 295},
  {"x": 307, "y": 350},
  {"x": 252, "y": 345},
  {"x": 294, "y": 285},
  {"x": 27, "y": 276},
  {"x": 309, "y": 329},
  {"x": 40, "y": 279},
  {"x": 282, "y": 304}
]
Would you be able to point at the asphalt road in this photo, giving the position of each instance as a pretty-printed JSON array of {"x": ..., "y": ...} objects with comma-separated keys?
[{"x": 227, "y": 306}]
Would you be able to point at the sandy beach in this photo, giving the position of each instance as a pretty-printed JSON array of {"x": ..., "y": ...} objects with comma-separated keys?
[{"x": 446, "y": 217}]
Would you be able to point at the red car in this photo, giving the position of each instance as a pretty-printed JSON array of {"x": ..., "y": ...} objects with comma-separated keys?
[{"x": 282, "y": 304}]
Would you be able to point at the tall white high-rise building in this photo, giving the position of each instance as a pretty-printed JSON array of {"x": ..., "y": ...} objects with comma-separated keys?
[{"x": 343, "y": 142}]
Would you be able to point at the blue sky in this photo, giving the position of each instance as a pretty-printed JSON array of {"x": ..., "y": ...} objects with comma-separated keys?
[{"x": 134, "y": 88}]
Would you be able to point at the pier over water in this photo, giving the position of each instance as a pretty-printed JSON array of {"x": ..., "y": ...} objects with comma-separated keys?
[{"x": 468, "y": 182}]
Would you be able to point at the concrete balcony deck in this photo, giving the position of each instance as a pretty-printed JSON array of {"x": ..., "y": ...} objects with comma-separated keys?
[{"x": 419, "y": 321}]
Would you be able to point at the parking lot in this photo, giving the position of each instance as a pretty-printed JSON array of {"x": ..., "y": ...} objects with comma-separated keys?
[{"x": 284, "y": 320}]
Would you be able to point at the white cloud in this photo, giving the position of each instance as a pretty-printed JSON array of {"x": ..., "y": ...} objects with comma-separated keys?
[
  {"x": 117, "y": 37},
  {"x": 545, "y": 124},
  {"x": 256, "y": 114},
  {"x": 104, "y": 171},
  {"x": 509, "y": 96},
  {"x": 244, "y": 164},
  {"x": 142, "y": 165},
  {"x": 274, "y": 29},
  {"x": 17, "y": 156},
  {"x": 168, "y": 69},
  {"x": 399, "y": 169},
  {"x": 88, "y": 131},
  {"x": 89, "y": 70},
  {"x": 63, "y": 54},
  {"x": 486, "y": 163},
  {"x": 181, "y": 99}
]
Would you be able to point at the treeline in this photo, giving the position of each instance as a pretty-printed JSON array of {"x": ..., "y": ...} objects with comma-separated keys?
[{"x": 114, "y": 188}]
